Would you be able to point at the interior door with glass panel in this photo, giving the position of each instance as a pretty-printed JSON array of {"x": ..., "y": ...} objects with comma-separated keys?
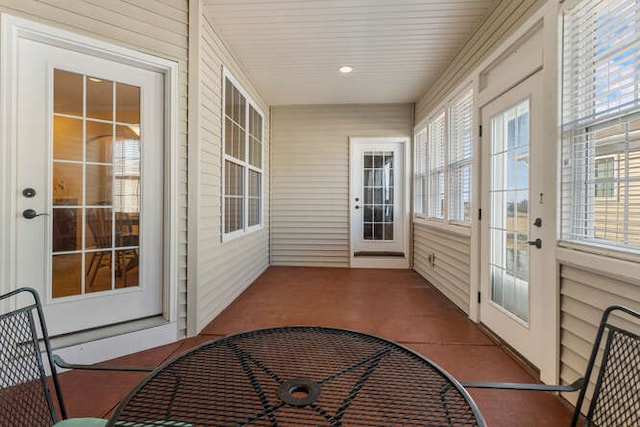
[
  {"x": 378, "y": 205},
  {"x": 513, "y": 220},
  {"x": 89, "y": 186}
]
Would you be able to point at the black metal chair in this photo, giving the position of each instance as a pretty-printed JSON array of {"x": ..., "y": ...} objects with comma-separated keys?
[
  {"x": 27, "y": 396},
  {"x": 612, "y": 376}
]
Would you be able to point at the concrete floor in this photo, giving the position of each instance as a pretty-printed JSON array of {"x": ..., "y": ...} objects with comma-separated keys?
[{"x": 398, "y": 305}]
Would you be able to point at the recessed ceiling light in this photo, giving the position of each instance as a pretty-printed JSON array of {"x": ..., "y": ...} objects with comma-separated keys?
[{"x": 346, "y": 69}]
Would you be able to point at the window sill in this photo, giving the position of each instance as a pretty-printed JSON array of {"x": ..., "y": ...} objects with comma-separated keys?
[
  {"x": 449, "y": 227},
  {"x": 241, "y": 233},
  {"x": 613, "y": 263}
]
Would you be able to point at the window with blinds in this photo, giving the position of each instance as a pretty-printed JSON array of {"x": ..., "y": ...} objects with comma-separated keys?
[
  {"x": 243, "y": 148},
  {"x": 435, "y": 159},
  {"x": 420, "y": 173},
  {"x": 460, "y": 157},
  {"x": 600, "y": 180},
  {"x": 443, "y": 162}
]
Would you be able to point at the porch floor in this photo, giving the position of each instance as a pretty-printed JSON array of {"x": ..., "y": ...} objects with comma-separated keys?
[{"x": 395, "y": 304}]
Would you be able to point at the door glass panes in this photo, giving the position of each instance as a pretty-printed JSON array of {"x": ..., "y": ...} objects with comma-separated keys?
[
  {"x": 509, "y": 210},
  {"x": 96, "y": 184},
  {"x": 378, "y": 195}
]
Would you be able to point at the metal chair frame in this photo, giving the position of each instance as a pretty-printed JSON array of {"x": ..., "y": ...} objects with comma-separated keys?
[
  {"x": 24, "y": 386},
  {"x": 606, "y": 375}
]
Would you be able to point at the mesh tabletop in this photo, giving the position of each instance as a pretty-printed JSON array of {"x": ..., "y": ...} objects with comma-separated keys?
[{"x": 298, "y": 376}]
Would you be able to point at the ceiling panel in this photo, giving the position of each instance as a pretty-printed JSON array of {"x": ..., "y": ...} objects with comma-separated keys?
[{"x": 292, "y": 49}]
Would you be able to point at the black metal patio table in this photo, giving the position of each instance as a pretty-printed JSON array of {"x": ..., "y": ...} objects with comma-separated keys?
[{"x": 298, "y": 376}]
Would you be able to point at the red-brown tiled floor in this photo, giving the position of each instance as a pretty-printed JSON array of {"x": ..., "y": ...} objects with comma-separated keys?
[{"x": 395, "y": 304}]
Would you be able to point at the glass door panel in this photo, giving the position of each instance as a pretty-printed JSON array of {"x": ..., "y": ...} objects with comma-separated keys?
[
  {"x": 509, "y": 198},
  {"x": 378, "y": 196},
  {"x": 96, "y": 185}
]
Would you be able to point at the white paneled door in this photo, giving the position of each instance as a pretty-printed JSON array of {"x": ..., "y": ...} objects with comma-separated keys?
[
  {"x": 514, "y": 248},
  {"x": 378, "y": 202},
  {"x": 89, "y": 186}
]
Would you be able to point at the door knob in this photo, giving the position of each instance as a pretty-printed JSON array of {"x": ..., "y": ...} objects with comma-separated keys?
[
  {"x": 30, "y": 214},
  {"x": 537, "y": 243},
  {"x": 357, "y": 207},
  {"x": 538, "y": 222}
]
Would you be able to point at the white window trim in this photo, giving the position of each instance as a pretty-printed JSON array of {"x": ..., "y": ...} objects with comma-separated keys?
[{"x": 246, "y": 229}]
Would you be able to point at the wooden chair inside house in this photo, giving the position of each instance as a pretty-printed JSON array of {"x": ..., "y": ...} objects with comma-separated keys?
[
  {"x": 610, "y": 389},
  {"x": 127, "y": 238},
  {"x": 126, "y": 241},
  {"x": 27, "y": 396}
]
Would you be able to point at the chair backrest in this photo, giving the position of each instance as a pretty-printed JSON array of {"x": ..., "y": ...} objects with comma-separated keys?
[
  {"x": 99, "y": 222},
  {"x": 25, "y": 391},
  {"x": 615, "y": 400}
]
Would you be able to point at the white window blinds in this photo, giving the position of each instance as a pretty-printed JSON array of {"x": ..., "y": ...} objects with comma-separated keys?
[
  {"x": 601, "y": 124},
  {"x": 460, "y": 156},
  {"x": 436, "y": 166},
  {"x": 420, "y": 175}
]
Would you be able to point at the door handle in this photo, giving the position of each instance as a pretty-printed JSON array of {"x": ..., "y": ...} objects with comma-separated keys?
[
  {"x": 537, "y": 243},
  {"x": 357, "y": 207},
  {"x": 30, "y": 214}
]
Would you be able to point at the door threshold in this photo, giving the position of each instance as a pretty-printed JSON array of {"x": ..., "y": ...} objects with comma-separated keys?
[{"x": 385, "y": 254}]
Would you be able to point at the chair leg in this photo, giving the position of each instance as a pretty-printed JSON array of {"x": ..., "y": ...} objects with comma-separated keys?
[
  {"x": 92, "y": 265},
  {"x": 95, "y": 265},
  {"x": 130, "y": 263}
]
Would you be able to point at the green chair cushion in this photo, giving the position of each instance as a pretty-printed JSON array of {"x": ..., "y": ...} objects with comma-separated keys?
[
  {"x": 159, "y": 423},
  {"x": 81, "y": 422}
]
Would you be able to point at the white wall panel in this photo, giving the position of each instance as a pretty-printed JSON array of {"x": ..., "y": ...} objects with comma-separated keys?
[
  {"x": 502, "y": 22},
  {"x": 310, "y": 179},
  {"x": 450, "y": 270},
  {"x": 584, "y": 294},
  {"x": 223, "y": 270}
]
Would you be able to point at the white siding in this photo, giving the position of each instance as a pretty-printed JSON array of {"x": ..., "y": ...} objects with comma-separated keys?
[
  {"x": 503, "y": 20},
  {"x": 450, "y": 270},
  {"x": 226, "y": 269},
  {"x": 584, "y": 294},
  {"x": 157, "y": 28},
  {"x": 310, "y": 178}
]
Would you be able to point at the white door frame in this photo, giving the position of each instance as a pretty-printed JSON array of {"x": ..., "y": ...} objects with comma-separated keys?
[
  {"x": 492, "y": 77},
  {"x": 382, "y": 262},
  {"x": 541, "y": 204},
  {"x": 12, "y": 29}
]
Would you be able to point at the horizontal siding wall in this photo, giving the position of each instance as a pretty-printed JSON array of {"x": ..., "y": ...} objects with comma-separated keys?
[
  {"x": 506, "y": 17},
  {"x": 584, "y": 296},
  {"x": 226, "y": 269},
  {"x": 450, "y": 270},
  {"x": 310, "y": 176},
  {"x": 155, "y": 27}
]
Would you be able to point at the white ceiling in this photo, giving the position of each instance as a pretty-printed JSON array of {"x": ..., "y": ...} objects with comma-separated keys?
[{"x": 292, "y": 49}]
